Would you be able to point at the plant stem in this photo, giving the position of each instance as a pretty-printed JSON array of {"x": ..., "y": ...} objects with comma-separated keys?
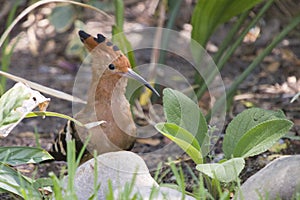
[
  {"x": 119, "y": 6},
  {"x": 124, "y": 44}
]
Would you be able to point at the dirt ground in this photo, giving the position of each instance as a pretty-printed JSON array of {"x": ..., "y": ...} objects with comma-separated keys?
[{"x": 40, "y": 56}]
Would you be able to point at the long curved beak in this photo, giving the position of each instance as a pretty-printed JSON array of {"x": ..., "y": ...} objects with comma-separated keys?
[{"x": 131, "y": 74}]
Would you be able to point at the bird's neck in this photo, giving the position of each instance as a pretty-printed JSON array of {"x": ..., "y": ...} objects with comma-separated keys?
[
  {"x": 107, "y": 90},
  {"x": 108, "y": 85}
]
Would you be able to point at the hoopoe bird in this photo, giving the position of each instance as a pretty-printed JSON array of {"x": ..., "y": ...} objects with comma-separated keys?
[{"x": 106, "y": 102}]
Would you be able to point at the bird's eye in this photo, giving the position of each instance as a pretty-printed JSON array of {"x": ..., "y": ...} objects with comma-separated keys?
[{"x": 111, "y": 66}]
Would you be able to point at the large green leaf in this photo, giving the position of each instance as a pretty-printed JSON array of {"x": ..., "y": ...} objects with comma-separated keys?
[
  {"x": 226, "y": 172},
  {"x": 14, "y": 182},
  {"x": 183, "y": 139},
  {"x": 9, "y": 102},
  {"x": 207, "y": 15},
  {"x": 23, "y": 155},
  {"x": 181, "y": 110},
  {"x": 243, "y": 123},
  {"x": 261, "y": 137}
]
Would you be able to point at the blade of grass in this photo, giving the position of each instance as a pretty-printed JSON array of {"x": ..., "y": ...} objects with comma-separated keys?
[
  {"x": 295, "y": 21},
  {"x": 221, "y": 50},
  {"x": 37, "y": 138},
  {"x": 57, "y": 190},
  {"x": 192, "y": 173},
  {"x": 157, "y": 172},
  {"x": 201, "y": 192},
  {"x": 178, "y": 173},
  {"x": 126, "y": 191},
  {"x": 154, "y": 192},
  {"x": 71, "y": 160},
  {"x": 83, "y": 149},
  {"x": 208, "y": 15},
  {"x": 96, "y": 185},
  {"x": 162, "y": 174},
  {"x": 230, "y": 36},
  {"x": 228, "y": 54},
  {"x": 239, "y": 40},
  {"x": 110, "y": 193}
]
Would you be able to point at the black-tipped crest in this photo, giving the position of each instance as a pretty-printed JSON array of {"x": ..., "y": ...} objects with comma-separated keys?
[
  {"x": 100, "y": 38},
  {"x": 83, "y": 35}
]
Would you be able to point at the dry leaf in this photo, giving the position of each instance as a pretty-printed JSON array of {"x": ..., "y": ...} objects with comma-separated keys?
[
  {"x": 149, "y": 141},
  {"x": 252, "y": 35},
  {"x": 273, "y": 67}
]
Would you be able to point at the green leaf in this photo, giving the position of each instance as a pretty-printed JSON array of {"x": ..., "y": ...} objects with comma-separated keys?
[
  {"x": 261, "y": 137},
  {"x": 243, "y": 123},
  {"x": 183, "y": 139},
  {"x": 9, "y": 102},
  {"x": 181, "y": 110},
  {"x": 207, "y": 15},
  {"x": 225, "y": 172},
  {"x": 12, "y": 181},
  {"x": 23, "y": 155},
  {"x": 62, "y": 17}
]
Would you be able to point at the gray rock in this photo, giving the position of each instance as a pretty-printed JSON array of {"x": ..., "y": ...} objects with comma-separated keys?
[
  {"x": 159, "y": 193},
  {"x": 280, "y": 178},
  {"x": 119, "y": 168}
]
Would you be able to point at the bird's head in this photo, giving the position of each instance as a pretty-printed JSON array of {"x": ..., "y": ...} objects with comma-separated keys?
[{"x": 118, "y": 62}]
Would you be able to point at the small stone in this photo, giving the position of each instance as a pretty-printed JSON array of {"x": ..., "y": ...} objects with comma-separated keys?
[
  {"x": 162, "y": 193},
  {"x": 120, "y": 168},
  {"x": 279, "y": 179}
]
